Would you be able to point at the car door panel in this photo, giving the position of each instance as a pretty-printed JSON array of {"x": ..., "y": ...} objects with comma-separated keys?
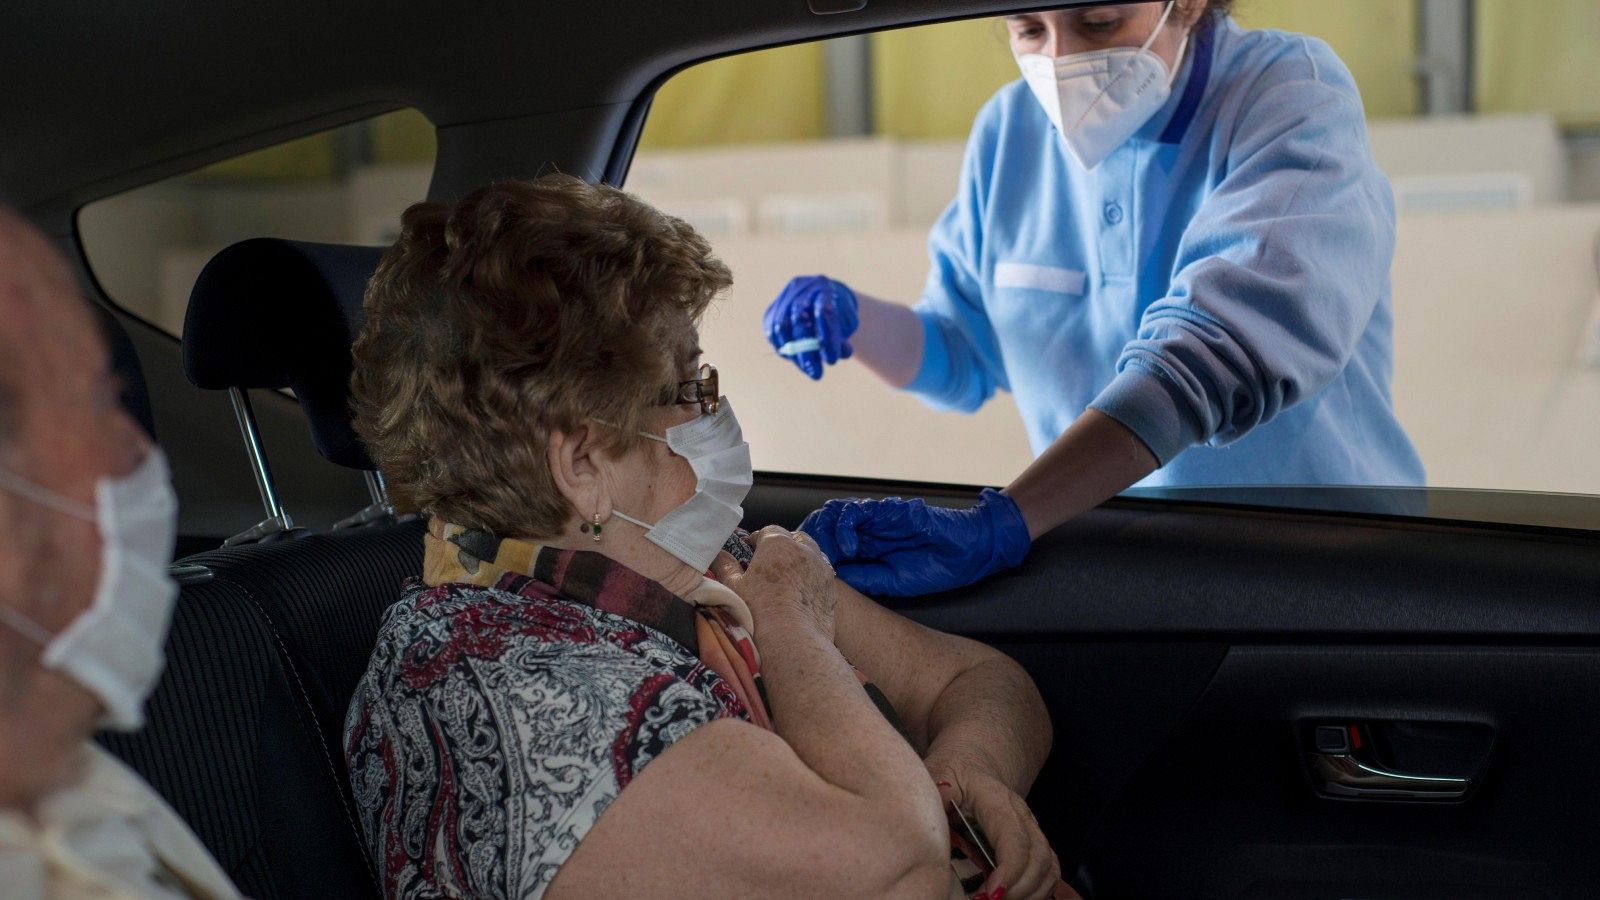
[
  {"x": 1187, "y": 652},
  {"x": 1113, "y": 705},
  {"x": 1225, "y": 807}
]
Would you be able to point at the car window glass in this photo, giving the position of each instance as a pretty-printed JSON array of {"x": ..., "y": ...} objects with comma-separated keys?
[
  {"x": 348, "y": 185},
  {"x": 839, "y": 157}
]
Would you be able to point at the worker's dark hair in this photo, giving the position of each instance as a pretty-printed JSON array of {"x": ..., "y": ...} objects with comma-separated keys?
[{"x": 1212, "y": 7}]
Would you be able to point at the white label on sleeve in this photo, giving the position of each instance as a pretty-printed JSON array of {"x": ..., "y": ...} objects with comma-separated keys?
[{"x": 1040, "y": 278}]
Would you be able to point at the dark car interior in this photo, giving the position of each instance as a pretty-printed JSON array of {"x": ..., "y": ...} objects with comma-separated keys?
[{"x": 1248, "y": 702}]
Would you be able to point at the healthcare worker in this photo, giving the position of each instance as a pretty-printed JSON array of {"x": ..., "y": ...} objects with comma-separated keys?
[{"x": 1171, "y": 244}]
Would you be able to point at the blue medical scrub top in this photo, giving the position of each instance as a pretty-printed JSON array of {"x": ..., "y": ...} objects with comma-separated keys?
[{"x": 1219, "y": 285}]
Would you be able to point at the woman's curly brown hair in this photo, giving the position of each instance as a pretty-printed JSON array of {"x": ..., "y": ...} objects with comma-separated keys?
[{"x": 525, "y": 308}]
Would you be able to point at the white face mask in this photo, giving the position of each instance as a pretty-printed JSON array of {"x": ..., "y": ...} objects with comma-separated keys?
[
  {"x": 698, "y": 527},
  {"x": 114, "y": 648},
  {"x": 1097, "y": 100}
]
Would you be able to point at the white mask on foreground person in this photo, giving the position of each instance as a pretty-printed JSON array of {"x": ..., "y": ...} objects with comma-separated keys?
[{"x": 114, "y": 648}]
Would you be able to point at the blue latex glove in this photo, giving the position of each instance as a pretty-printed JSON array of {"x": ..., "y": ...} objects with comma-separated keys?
[
  {"x": 819, "y": 315},
  {"x": 904, "y": 548}
]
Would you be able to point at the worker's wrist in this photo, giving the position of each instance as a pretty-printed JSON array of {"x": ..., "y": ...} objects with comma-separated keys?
[
  {"x": 1012, "y": 537},
  {"x": 1154, "y": 408},
  {"x": 933, "y": 370}
]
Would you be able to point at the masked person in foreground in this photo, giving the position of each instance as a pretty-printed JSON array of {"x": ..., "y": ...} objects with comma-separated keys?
[
  {"x": 85, "y": 601},
  {"x": 565, "y": 704}
]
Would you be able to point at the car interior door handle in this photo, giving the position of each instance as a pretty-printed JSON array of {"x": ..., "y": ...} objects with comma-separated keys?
[
  {"x": 1342, "y": 775},
  {"x": 1397, "y": 761}
]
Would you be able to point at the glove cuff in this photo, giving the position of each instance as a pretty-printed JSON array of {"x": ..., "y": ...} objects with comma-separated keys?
[
  {"x": 1011, "y": 539},
  {"x": 848, "y": 308}
]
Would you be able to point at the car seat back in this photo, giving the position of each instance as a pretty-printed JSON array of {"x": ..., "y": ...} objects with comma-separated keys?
[
  {"x": 245, "y": 727},
  {"x": 268, "y": 640}
]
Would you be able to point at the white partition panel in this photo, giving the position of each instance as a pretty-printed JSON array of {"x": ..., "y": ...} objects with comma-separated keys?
[
  {"x": 1483, "y": 156},
  {"x": 378, "y": 195},
  {"x": 927, "y": 180},
  {"x": 1489, "y": 337},
  {"x": 751, "y": 173}
]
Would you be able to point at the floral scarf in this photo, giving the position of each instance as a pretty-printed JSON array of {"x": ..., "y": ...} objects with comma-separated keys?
[{"x": 715, "y": 624}]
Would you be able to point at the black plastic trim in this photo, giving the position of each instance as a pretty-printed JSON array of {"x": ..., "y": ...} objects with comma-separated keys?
[{"x": 1140, "y": 570}]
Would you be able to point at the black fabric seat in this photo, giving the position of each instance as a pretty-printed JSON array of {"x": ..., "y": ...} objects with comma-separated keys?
[
  {"x": 244, "y": 735},
  {"x": 268, "y": 641}
]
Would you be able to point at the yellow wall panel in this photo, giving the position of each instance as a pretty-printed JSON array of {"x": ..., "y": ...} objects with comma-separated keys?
[
  {"x": 304, "y": 159},
  {"x": 929, "y": 82},
  {"x": 403, "y": 136},
  {"x": 769, "y": 95},
  {"x": 1377, "y": 39},
  {"x": 1540, "y": 55}
]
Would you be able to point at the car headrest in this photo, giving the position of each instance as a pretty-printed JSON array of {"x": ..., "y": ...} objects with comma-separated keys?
[{"x": 270, "y": 313}]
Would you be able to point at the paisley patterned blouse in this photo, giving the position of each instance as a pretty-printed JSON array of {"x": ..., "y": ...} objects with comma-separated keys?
[{"x": 495, "y": 724}]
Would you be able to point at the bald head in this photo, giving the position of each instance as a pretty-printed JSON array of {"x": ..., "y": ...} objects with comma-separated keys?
[
  {"x": 31, "y": 269},
  {"x": 44, "y": 324}
]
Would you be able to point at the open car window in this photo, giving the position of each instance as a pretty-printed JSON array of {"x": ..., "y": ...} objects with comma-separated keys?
[{"x": 839, "y": 157}]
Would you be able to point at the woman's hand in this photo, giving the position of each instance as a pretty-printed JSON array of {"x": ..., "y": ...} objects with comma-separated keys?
[
  {"x": 787, "y": 578},
  {"x": 1025, "y": 866}
]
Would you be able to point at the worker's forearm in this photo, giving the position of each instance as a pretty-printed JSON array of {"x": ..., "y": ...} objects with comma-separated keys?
[
  {"x": 889, "y": 340},
  {"x": 1093, "y": 461},
  {"x": 991, "y": 719}
]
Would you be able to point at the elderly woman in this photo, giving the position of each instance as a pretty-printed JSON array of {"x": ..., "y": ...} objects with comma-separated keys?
[{"x": 565, "y": 704}]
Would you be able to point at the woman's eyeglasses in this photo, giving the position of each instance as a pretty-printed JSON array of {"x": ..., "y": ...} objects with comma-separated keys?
[{"x": 702, "y": 390}]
